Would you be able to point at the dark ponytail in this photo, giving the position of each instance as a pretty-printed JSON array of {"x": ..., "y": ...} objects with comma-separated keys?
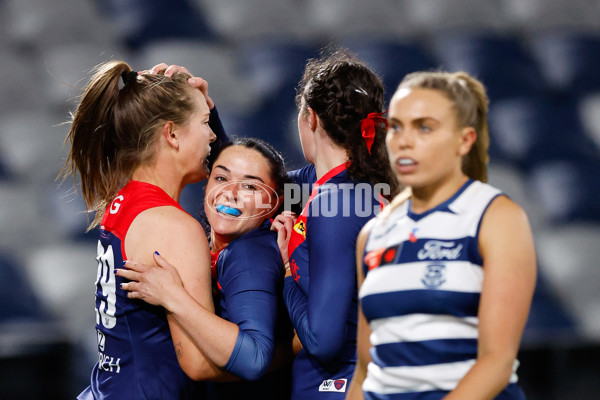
[{"x": 343, "y": 91}]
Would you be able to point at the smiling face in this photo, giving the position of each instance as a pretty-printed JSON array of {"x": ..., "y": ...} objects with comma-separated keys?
[
  {"x": 240, "y": 194},
  {"x": 195, "y": 138},
  {"x": 425, "y": 144}
]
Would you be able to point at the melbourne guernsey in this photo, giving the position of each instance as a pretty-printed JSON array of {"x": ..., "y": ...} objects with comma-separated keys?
[{"x": 136, "y": 356}]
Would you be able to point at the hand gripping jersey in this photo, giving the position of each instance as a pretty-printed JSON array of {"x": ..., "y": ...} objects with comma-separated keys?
[
  {"x": 321, "y": 296},
  {"x": 250, "y": 283},
  {"x": 423, "y": 279},
  {"x": 136, "y": 355}
]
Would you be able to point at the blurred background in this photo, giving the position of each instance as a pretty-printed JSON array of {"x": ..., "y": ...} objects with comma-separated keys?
[{"x": 540, "y": 60}]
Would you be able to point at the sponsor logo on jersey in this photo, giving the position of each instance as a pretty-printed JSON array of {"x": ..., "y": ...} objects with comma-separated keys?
[
  {"x": 333, "y": 385},
  {"x": 411, "y": 236},
  {"x": 294, "y": 270},
  {"x": 382, "y": 256},
  {"x": 434, "y": 276},
  {"x": 300, "y": 228},
  {"x": 439, "y": 250}
]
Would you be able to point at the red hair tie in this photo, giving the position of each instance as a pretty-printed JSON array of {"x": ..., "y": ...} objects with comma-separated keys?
[{"x": 367, "y": 127}]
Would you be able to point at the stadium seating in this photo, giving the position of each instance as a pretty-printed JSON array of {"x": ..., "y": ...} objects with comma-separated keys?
[
  {"x": 392, "y": 59},
  {"x": 501, "y": 61},
  {"x": 539, "y": 60},
  {"x": 568, "y": 61}
]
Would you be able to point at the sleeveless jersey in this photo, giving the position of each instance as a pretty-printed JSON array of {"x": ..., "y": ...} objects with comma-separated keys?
[
  {"x": 321, "y": 296},
  {"x": 423, "y": 279},
  {"x": 136, "y": 355}
]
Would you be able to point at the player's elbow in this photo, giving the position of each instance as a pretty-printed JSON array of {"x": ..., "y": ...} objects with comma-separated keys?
[
  {"x": 503, "y": 365},
  {"x": 200, "y": 370},
  {"x": 254, "y": 372},
  {"x": 251, "y": 358},
  {"x": 322, "y": 350},
  {"x": 506, "y": 368}
]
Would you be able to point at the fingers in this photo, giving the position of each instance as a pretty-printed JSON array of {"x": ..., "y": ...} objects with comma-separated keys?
[
  {"x": 128, "y": 274},
  {"x": 196, "y": 82},
  {"x": 168, "y": 70},
  {"x": 276, "y": 225},
  {"x": 289, "y": 225},
  {"x": 173, "y": 69},
  {"x": 132, "y": 290},
  {"x": 286, "y": 217},
  {"x": 157, "y": 69},
  {"x": 133, "y": 266},
  {"x": 202, "y": 85},
  {"x": 162, "y": 262}
]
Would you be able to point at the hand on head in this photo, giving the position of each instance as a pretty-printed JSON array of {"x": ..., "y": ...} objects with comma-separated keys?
[{"x": 195, "y": 81}]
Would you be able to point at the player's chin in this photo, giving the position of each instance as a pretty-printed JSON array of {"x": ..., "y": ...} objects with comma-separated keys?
[{"x": 203, "y": 170}]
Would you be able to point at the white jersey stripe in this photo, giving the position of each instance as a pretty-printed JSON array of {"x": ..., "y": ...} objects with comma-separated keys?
[
  {"x": 422, "y": 293},
  {"x": 460, "y": 276},
  {"x": 419, "y": 379},
  {"x": 416, "y": 327}
]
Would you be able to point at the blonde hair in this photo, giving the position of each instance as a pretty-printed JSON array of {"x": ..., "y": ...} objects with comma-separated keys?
[
  {"x": 114, "y": 130},
  {"x": 470, "y": 101}
]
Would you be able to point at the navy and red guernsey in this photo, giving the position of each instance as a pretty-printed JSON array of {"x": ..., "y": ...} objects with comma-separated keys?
[
  {"x": 136, "y": 355},
  {"x": 321, "y": 295},
  {"x": 250, "y": 284}
]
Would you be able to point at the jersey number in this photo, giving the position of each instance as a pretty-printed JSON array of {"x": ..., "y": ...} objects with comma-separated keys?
[{"x": 105, "y": 310}]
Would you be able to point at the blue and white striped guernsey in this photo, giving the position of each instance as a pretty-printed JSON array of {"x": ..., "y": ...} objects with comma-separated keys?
[{"x": 423, "y": 279}]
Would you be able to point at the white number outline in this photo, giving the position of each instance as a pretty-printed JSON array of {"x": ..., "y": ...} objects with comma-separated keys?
[{"x": 106, "y": 310}]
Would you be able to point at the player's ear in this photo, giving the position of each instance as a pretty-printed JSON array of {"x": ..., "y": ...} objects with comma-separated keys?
[
  {"x": 170, "y": 134},
  {"x": 466, "y": 139},
  {"x": 313, "y": 119}
]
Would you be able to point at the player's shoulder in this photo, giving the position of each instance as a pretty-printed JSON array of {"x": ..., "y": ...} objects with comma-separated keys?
[
  {"x": 306, "y": 174},
  {"x": 504, "y": 209},
  {"x": 261, "y": 241},
  {"x": 176, "y": 220}
]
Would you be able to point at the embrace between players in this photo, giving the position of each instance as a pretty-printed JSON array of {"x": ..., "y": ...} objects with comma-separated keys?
[{"x": 423, "y": 297}]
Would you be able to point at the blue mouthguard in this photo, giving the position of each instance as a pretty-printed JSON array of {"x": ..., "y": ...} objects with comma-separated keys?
[{"x": 228, "y": 210}]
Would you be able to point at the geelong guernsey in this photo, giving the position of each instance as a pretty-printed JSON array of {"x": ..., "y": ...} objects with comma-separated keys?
[
  {"x": 423, "y": 279},
  {"x": 136, "y": 355}
]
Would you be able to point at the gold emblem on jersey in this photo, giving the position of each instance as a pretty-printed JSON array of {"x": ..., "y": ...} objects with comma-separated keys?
[{"x": 300, "y": 228}]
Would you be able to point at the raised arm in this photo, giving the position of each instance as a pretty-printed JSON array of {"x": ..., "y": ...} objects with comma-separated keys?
[
  {"x": 509, "y": 265},
  {"x": 202, "y": 85}
]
